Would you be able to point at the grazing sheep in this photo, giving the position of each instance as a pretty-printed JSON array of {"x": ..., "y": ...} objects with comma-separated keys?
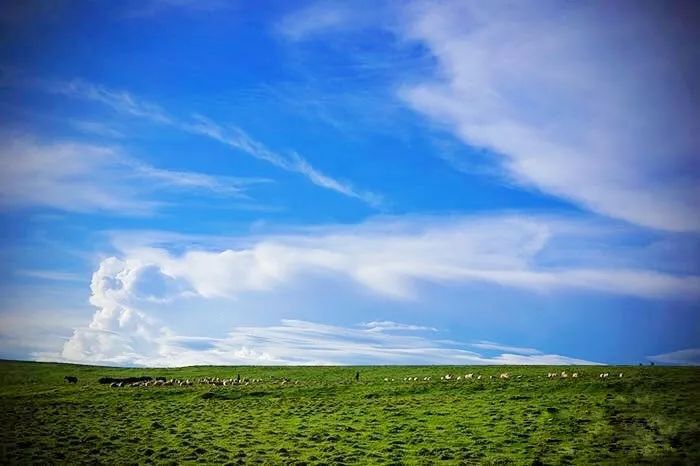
[
  {"x": 478, "y": 378},
  {"x": 459, "y": 377},
  {"x": 504, "y": 375},
  {"x": 574, "y": 375},
  {"x": 468, "y": 376},
  {"x": 620, "y": 374}
]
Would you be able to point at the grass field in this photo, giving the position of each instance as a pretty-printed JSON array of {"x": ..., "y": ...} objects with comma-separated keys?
[{"x": 651, "y": 415}]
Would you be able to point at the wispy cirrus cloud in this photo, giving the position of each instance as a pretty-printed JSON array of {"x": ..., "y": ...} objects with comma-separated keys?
[
  {"x": 321, "y": 17},
  {"x": 80, "y": 177},
  {"x": 230, "y": 135},
  {"x": 51, "y": 275},
  {"x": 97, "y": 128},
  {"x": 493, "y": 346},
  {"x": 388, "y": 325}
]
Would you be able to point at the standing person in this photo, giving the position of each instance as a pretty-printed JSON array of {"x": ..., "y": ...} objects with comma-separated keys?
[{"x": 357, "y": 376}]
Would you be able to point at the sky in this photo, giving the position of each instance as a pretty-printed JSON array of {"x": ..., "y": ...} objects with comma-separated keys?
[{"x": 423, "y": 182}]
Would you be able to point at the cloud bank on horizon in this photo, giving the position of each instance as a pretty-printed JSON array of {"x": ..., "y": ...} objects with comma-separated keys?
[{"x": 472, "y": 190}]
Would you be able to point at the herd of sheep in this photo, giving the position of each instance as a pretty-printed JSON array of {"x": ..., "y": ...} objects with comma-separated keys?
[
  {"x": 146, "y": 381},
  {"x": 502, "y": 375},
  {"x": 165, "y": 382}
]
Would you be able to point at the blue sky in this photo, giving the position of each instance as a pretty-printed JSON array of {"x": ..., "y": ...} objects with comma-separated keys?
[{"x": 447, "y": 182}]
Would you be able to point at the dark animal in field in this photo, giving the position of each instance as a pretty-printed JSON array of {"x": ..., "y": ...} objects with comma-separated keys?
[{"x": 70, "y": 379}]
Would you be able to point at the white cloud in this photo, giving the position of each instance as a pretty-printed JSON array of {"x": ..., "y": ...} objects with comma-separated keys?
[
  {"x": 230, "y": 135},
  {"x": 583, "y": 101},
  {"x": 387, "y": 325},
  {"x": 97, "y": 128},
  {"x": 490, "y": 345},
  {"x": 686, "y": 357},
  {"x": 131, "y": 339},
  {"x": 321, "y": 17},
  {"x": 387, "y": 256},
  {"x": 53, "y": 275},
  {"x": 85, "y": 177},
  {"x": 391, "y": 257},
  {"x": 121, "y": 333},
  {"x": 36, "y": 330},
  {"x": 236, "y": 138}
]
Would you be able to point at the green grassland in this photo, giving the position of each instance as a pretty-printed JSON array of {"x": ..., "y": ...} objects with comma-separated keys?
[{"x": 651, "y": 415}]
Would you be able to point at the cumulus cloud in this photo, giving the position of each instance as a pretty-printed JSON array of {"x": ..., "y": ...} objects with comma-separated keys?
[
  {"x": 119, "y": 333},
  {"x": 582, "y": 100},
  {"x": 81, "y": 177}
]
